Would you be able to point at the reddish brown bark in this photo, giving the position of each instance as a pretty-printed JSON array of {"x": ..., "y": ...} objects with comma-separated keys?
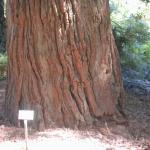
[{"x": 63, "y": 62}]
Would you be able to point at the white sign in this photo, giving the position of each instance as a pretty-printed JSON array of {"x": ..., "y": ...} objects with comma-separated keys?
[{"x": 26, "y": 115}]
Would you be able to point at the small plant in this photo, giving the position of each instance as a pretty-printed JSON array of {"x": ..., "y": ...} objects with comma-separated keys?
[
  {"x": 3, "y": 58},
  {"x": 3, "y": 65}
]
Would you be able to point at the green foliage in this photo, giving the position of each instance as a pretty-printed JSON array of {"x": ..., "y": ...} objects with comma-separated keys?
[
  {"x": 3, "y": 58},
  {"x": 3, "y": 65},
  {"x": 146, "y": 1},
  {"x": 132, "y": 35}
]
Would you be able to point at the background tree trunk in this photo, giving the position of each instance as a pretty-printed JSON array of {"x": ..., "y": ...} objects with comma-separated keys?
[
  {"x": 63, "y": 62},
  {"x": 2, "y": 27},
  {"x": 1, "y": 12}
]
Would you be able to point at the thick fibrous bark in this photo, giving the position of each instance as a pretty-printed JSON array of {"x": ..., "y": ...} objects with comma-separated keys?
[{"x": 63, "y": 62}]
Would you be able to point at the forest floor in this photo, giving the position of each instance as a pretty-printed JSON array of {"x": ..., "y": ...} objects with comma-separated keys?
[{"x": 109, "y": 136}]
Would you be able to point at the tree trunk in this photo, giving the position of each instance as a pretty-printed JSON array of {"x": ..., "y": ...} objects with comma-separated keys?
[
  {"x": 2, "y": 27},
  {"x": 1, "y": 11},
  {"x": 63, "y": 62}
]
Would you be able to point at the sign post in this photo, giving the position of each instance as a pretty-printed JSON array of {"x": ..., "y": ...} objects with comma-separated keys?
[
  {"x": 26, "y": 115},
  {"x": 26, "y": 132}
]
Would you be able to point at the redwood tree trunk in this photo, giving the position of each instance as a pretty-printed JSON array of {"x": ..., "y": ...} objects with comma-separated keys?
[{"x": 63, "y": 62}]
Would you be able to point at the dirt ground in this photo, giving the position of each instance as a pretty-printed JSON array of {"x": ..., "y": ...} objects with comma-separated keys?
[{"x": 107, "y": 136}]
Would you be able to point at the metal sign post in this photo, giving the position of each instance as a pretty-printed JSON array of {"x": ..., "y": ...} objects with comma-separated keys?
[
  {"x": 26, "y": 115},
  {"x": 26, "y": 132}
]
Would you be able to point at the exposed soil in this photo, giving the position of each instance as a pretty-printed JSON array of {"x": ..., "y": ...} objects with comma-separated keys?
[
  {"x": 106, "y": 136},
  {"x": 2, "y": 98}
]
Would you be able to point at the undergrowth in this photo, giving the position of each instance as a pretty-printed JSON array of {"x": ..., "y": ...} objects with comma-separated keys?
[{"x": 3, "y": 66}]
